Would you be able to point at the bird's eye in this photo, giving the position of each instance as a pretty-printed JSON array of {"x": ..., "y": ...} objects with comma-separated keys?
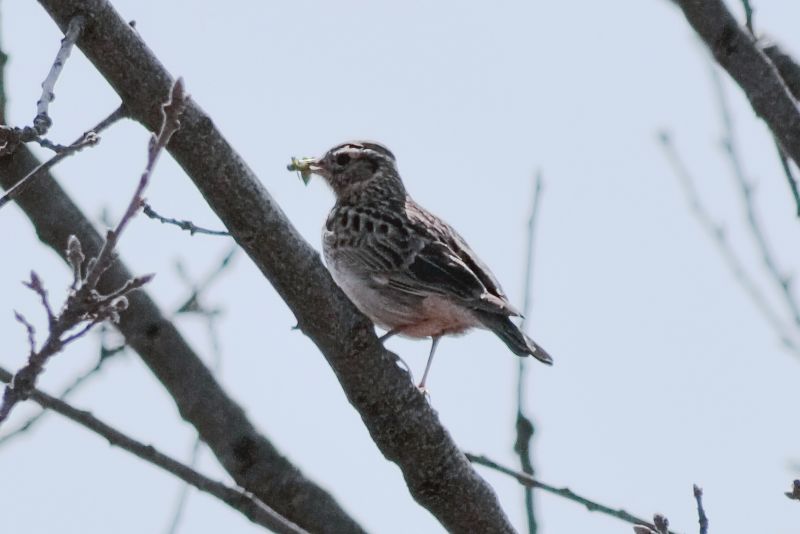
[{"x": 342, "y": 159}]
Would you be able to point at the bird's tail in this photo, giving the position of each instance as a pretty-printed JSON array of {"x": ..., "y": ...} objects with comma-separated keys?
[{"x": 516, "y": 340}]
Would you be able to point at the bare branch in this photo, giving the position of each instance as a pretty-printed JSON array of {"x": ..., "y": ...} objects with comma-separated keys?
[
  {"x": 738, "y": 53},
  {"x": 401, "y": 422},
  {"x": 89, "y": 138},
  {"x": 105, "y": 355},
  {"x": 748, "y": 16},
  {"x": 790, "y": 179},
  {"x": 84, "y": 304},
  {"x": 42, "y": 121},
  {"x": 527, "y": 480},
  {"x": 251, "y": 459},
  {"x": 189, "y": 226},
  {"x": 170, "y": 122},
  {"x": 717, "y": 233},
  {"x": 29, "y": 329},
  {"x": 746, "y": 190},
  {"x": 12, "y": 137},
  {"x": 524, "y": 425},
  {"x": 245, "y": 503},
  {"x": 211, "y": 316},
  {"x": 702, "y": 519}
]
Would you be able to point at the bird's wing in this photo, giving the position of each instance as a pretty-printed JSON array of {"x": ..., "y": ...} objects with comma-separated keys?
[
  {"x": 448, "y": 263},
  {"x": 418, "y": 255}
]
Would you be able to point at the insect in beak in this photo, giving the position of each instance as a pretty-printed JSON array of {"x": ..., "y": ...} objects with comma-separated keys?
[{"x": 303, "y": 167}]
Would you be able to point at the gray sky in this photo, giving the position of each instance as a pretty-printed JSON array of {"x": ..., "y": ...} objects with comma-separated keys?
[{"x": 666, "y": 374}]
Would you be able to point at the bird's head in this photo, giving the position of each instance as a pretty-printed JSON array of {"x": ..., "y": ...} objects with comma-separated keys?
[{"x": 352, "y": 167}]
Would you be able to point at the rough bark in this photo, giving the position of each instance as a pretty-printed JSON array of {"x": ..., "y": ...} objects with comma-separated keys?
[
  {"x": 248, "y": 456},
  {"x": 400, "y": 421},
  {"x": 739, "y": 54}
]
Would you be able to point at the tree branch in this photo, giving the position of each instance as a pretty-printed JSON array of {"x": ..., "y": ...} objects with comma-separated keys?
[
  {"x": 702, "y": 519},
  {"x": 189, "y": 226},
  {"x": 85, "y": 304},
  {"x": 746, "y": 189},
  {"x": 42, "y": 121},
  {"x": 524, "y": 426},
  {"x": 11, "y": 137},
  {"x": 717, "y": 234},
  {"x": 399, "y": 419},
  {"x": 738, "y": 53},
  {"x": 253, "y": 462},
  {"x": 528, "y": 481},
  {"x": 787, "y": 67},
  {"x": 89, "y": 138},
  {"x": 246, "y": 504},
  {"x": 105, "y": 355}
]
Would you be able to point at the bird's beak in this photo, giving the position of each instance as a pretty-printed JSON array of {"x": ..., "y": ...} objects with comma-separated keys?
[{"x": 305, "y": 167}]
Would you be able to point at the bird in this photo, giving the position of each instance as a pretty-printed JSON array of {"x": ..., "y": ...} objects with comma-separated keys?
[{"x": 403, "y": 267}]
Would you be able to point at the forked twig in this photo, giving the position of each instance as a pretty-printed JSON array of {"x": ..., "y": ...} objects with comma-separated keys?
[
  {"x": 85, "y": 305},
  {"x": 89, "y": 138}
]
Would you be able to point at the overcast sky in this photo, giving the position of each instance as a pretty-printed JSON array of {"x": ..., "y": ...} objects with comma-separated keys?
[{"x": 666, "y": 374}]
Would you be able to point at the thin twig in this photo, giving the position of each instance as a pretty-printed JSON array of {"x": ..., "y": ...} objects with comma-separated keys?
[
  {"x": 790, "y": 179},
  {"x": 84, "y": 304},
  {"x": 245, "y": 503},
  {"x": 11, "y": 137},
  {"x": 189, "y": 226},
  {"x": 748, "y": 16},
  {"x": 702, "y": 519},
  {"x": 527, "y": 480},
  {"x": 190, "y": 304},
  {"x": 193, "y": 305},
  {"x": 89, "y": 138},
  {"x": 782, "y": 282},
  {"x": 170, "y": 123},
  {"x": 105, "y": 355},
  {"x": 524, "y": 425},
  {"x": 717, "y": 234},
  {"x": 42, "y": 121}
]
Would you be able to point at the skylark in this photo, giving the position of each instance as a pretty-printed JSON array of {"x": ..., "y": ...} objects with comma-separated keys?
[{"x": 403, "y": 267}]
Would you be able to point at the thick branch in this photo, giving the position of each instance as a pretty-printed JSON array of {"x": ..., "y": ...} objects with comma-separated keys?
[
  {"x": 738, "y": 53},
  {"x": 787, "y": 67},
  {"x": 399, "y": 419},
  {"x": 246, "y": 504},
  {"x": 249, "y": 457}
]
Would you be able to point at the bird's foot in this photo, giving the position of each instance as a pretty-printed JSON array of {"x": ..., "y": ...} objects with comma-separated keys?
[{"x": 424, "y": 391}]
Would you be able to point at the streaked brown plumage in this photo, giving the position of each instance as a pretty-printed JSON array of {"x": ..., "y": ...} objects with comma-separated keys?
[{"x": 402, "y": 266}]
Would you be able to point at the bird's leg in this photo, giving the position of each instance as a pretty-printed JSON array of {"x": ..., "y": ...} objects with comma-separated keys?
[
  {"x": 389, "y": 334},
  {"x": 435, "y": 342}
]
